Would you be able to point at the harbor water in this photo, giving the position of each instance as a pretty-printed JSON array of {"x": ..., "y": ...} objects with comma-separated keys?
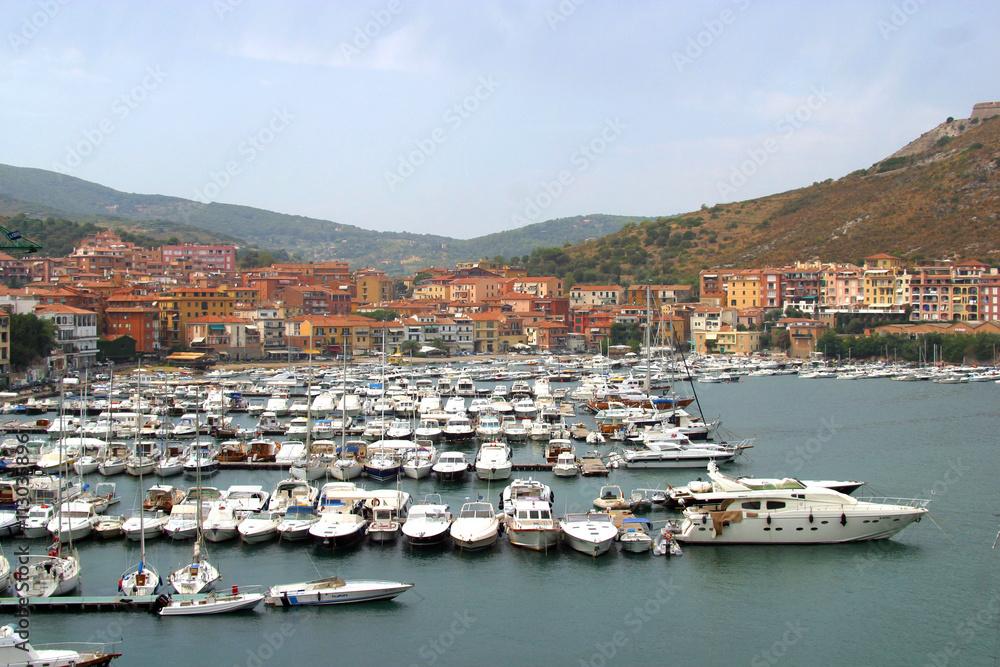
[{"x": 928, "y": 596}]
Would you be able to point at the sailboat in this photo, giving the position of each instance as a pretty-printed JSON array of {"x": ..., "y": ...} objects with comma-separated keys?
[
  {"x": 311, "y": 466},
  {"x": 56, "y": 573},
  {"x": 142, "y": 579},
  {"x": 198, "y": 576}
]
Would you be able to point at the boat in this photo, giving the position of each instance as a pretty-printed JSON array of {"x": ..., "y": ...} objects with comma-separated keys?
[
  {"x": 171, "y": 463},
  {"x": 458, "y": 428},
  {"x": 673, "y": 449},
  {"x": 566, "y": 465},
  {"x": 333, "y": 590},
  {"x": 260, "y": 527},
  {"x": 340, "y": 523},
  {"x": 493, "y": 461},
  {"x": 202, "y": 461},
  {"x": 634, "y": 535},
  {"x": 163, "y": 497},
  {"x": 476, "y": 527},
  {"x": 611, "y": 497},
  {"x": 513, "y": 429},
  {"x": 145, "y": 524},
  {"x": 809, "y": 515},
  {"x": 144, "y": 579},
  {"x": 664, "y": 543},
  {"x": 239, "y": 598},
  {"x": 683, "y": 496},
  {"x": 451, "y": 467},
  {"x": 427, "y": 523},
  {"x": 428, "y": 429},
  {"x": 419, "y": 461},
  {"x": 383, "y": 463},
  {"x": 296, "y": 522},
  {"x": 489, "y": 428},
  {"x": 221, "y": 523},
  {"x": 16, "y": 651},
  {"x": 291, "y": 492},
  {"x": 35, "y": 525},
  {"x": 591, "y": 533},
  {"x": 73, "y": 521},
  {"x": 384, "y": 526},
  {"x": 524, "y": 489},
  {"x": 198, "y": 576},
  {"x": 347, "y": 464},
  {"x": 109, "y": 526},
  {"x": 530, "y": 524},
  {"x": 52, "y": 575}
]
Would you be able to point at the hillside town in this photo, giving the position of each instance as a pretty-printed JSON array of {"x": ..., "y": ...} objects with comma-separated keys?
[{"x": 190, "y": 305}]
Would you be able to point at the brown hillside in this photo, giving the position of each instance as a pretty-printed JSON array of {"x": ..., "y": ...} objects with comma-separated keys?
[{"x": 940, "y": 203}]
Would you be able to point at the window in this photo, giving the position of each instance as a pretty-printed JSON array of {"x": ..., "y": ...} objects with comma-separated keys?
[
  {"x": 751, "y": 505},
  {"x": 775, "y": 505}
]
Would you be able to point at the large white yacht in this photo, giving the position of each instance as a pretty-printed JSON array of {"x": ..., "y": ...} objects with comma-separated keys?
[
  {"x": 673, "y": 449},
  {"x": 804, "y": 515}
]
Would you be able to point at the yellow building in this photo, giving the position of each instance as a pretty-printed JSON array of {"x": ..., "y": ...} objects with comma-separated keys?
[
  {"x": 180, "y": 305},
  {"x": 883, "y": 283},
  {"x": 373, "y": 286},
  {"x": 743, "y": 290}
]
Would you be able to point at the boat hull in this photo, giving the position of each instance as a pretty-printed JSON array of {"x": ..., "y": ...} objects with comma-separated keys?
[
  {"x": 539, "y": 540},
  {"x": 296, "y": 594},
  {"x": 826, "y": 527}
]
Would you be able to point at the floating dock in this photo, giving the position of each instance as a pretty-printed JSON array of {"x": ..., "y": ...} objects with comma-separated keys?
[
  {"x": 593, "y": 468},
  {"x": 89, "y": 603}
]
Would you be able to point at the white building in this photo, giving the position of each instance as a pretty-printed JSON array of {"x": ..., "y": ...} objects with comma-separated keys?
[{"x": 76, "y": 332}]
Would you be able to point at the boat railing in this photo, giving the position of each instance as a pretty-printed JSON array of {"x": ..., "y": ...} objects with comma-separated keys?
[
  {"x": 906, "y": 502},
  {"x": 80, "y": 647}
]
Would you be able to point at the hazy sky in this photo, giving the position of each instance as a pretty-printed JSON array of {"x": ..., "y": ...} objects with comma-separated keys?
[{"x": 465, "y": 118}]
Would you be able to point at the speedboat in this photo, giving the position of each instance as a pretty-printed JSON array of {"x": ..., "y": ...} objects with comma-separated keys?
[
  {"x": 333, "y": 590},
  {"x": 221, "y": 523},
  {"x": 427, "y": 523},
  {"x": 591, "y": 533},
  {"x": 259, "y": 527},
  {"x": 148, "y": 526},
  {"x": 291, "y": 492},
  {"x": 451, "y": 467},
  {"x": 612, "y": 498},
  {"x": 489, "y": 427},
  {"x": 493, "y": 461},
  {"x": 399, "y": 429},
  {"x": 239, "y": 598},
  {"x": 296, "y": 522},
  {"x": 514, "y": 430},
  {"x": 73, "y": 521},
  {"x": 530, "y": 524},
  {"x": 428, "y": 429},
  {"x": 476, "y": 527},
  {"x": 340, "y": 521},
  {"x": 384, "y": 526},
  {"x": 458, "y": 429},
  {"x": 673, "y": 449},
  {"x": 36, "y": 523}
]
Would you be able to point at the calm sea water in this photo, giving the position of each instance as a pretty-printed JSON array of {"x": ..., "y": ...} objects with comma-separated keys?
[{"x": 931, "y": 595}]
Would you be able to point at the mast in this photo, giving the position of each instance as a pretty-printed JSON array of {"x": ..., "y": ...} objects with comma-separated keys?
[
  {"x": 138, "y": 453},
  {"x": 645, "y": 384}
]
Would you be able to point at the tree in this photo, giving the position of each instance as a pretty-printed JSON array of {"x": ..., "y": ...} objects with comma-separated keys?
[
  {"x": 31, "y": 339},
  {"x": 410, "y": 346}
]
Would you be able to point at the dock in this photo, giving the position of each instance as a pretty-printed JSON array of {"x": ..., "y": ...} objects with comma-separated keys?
[
  {"x": 89, "y": 603},
  {"x": 271, "y": 465},
  {"x": 593, "y": 468}
]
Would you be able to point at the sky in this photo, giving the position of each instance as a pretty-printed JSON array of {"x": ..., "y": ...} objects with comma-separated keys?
[{"x": 464, "y": 118}]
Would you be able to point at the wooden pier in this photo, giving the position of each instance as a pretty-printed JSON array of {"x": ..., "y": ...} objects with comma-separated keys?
[
  {"x": 593, "y": 468},
  {"x": 89, "y": 603}
]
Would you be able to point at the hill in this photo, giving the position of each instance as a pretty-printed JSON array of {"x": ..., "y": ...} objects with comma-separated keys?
[
  {"x": 938, "y": 198},
  {"x": 42, "y": 193}
]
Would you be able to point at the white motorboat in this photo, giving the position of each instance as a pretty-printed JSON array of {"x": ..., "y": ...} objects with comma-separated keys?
[
  {"x": 682, "y": 496},
  {"x": 399, "y": 429},
  {"x": 384, "y": 526},
  {"x": 612, "y": 497},
  {"x": 16, "y": 651},
  {"x": 566, "y": 465},
  {"x": 530, "y": 524},
  {"x": 36, "y": 524},
  {"x": 146, "y": 524},
  {"x": 634, "y": 535},
  {"x": 239, "y": 598},
  {"x": 489, "y": 427},
  {"x": 514, "y": 430},
  {"x": 186, "y": 427},
  {"x": 291, "y": 492},
  {"x": 296, "y": 522},
  {"x": 591, "y": 533},
  {"x": 428, "y": 523},
  {"x": 524, "y": 489},
  {"x": 259, "y": 527},
  {"x": 673, "y": 449},
  {"x": 221, "y": 523},
  {"x": 458, "y": 429},
  {"x": 428, "y": 429},
  {"x": 182, "y": 522},
  {"x": 451, "y": 467},
  {"x": 73, "y": 521},
  {"x": 333, "y": 590},
  {"x": 541, "y": 430},
  {"x": 809, "y": 515},
  {"x": 476, "y": 527},
  {"x": 341, "y": 523},
  {"x": 419, "y": 461},
  {"x": 493, "y": 461},
  {"x": 203, "y": 460},
  {"x": 298, "y": 427},
  {"x": 169, "y": 465}
]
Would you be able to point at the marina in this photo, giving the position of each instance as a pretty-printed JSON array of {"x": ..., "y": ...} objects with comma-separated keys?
[{"x": 813, "y": 441}]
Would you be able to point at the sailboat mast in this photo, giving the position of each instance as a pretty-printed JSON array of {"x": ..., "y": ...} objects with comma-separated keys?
[{"x": 645, "y": 384}]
